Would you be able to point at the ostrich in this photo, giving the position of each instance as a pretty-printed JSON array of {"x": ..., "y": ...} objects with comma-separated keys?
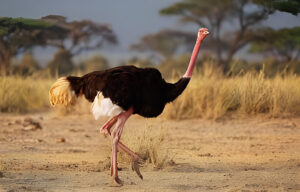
[{"x": 120, "y": 92}]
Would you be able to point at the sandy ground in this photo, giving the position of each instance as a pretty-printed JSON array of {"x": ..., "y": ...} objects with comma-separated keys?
[{"x": 248, "y": 154}]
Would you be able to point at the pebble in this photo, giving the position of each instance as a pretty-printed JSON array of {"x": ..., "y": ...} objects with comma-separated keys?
[{"x": 60, "y": 140}]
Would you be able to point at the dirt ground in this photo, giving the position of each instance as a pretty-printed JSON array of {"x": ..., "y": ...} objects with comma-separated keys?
[{"x": 67, "y": 154}]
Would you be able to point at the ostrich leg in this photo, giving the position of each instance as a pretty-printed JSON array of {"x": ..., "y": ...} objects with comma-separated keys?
[
  {"x": 105, "y": 129},
  {"x": 116, "y": 135},
  {"x": 135, "y": 158}
]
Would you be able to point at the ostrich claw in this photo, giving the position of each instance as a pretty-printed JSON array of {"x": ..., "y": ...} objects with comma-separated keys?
[{"x": 135, "y": 166}]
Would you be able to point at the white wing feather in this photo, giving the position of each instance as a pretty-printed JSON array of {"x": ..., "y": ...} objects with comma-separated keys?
[{"x": 104, "y": 107}]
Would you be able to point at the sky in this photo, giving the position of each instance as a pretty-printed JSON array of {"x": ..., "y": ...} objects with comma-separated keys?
[{"x": 130, "y": 19}]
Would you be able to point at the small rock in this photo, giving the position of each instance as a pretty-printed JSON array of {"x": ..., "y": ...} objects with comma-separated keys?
[
  {"x": 29, "y": 128},
  {"x": 76, "y": 130},
  {"x": 290, "y": 125},
  {"x": 7, "y": 123},
  {"x": 39, "y": 140},
  {"x": 28, "y": 119},
  {"x": 205, "y": 155},
  {"x": 77, "y": 151},
  {"x": 171, "y": 162},
  {"x": 17, "y": 121},
  {"x": 60, "y": 140},
  {"x": 32, "y": 127}
]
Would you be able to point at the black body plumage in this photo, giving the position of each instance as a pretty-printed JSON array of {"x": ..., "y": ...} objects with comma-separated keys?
[{"x": 142, "y": 88}]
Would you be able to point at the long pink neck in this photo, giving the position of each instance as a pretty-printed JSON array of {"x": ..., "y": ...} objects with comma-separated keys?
[{"x": 190, "y": 69}]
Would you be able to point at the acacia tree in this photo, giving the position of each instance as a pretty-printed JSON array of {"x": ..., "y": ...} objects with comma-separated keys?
[
  {"x": 289, "y": 6},
  {"x": 83, "y": 35},
  {"x": 283, "y": 44},
  {"x": 214, "y": 14},
  {"x": 17, "y": 35}
]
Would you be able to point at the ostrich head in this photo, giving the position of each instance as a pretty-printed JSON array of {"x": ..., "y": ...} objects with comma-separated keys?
[{"x": 202, "y": 33}]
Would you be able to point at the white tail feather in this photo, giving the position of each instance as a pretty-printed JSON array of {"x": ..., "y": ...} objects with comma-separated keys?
[{"x": 61, "y": 92}]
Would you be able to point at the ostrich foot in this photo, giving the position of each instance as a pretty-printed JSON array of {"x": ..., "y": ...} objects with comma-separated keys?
[
  {"x": 135, "y": 166},
  {"x": 116, "y": 182},
  {"x": 104, "y": 131}
]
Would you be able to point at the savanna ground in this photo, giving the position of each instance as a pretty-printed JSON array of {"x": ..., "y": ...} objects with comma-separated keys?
[{"x": 245, "y": 154}]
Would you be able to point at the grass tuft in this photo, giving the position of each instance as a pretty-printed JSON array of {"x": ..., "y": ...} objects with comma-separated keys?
[{"x": 149, "y": 143}]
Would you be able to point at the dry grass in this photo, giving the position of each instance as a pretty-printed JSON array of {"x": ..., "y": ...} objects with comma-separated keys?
[
  {"x": 149, "y": 143},
  {"x": 18, "y": 94},
  {"x": 277, "y": 96},
  {"x": 146, "y": 141},
  {"x": 210, "y": 95}
]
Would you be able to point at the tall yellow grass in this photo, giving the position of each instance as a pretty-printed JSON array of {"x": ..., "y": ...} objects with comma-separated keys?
[
  {"x": 18, "y": 94},
  {"x": 210, "y": 95}
]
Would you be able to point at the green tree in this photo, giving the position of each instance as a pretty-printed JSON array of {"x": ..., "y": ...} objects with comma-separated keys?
[
  {"x": 21, "y": 34},
  {"x": 84, "y": 35},
  {"x": 214, "y": 14},
  {"x": 283, "y": 44},
  {"x": 289, "y": 6}
]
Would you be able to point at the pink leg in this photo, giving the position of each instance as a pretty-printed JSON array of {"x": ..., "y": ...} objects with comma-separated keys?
[
  {"x": 135, "y": 158},
  {"x": 106, "y": 127},
  {"x": 106, "y": 130},
  {"x": 128, "y": 151},
  {"x": 116, "y": 135}
]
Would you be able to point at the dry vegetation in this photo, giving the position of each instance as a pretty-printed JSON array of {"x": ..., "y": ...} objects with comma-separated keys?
[
  {"x": 19, "y": 94},
  {"x": 149, "y": 143},
  {"x": 209, "y": 95}
]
